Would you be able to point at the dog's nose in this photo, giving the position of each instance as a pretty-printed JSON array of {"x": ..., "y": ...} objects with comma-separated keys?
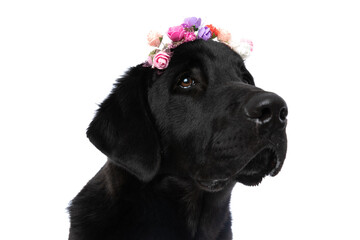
[{"x": 267, "y": 108}]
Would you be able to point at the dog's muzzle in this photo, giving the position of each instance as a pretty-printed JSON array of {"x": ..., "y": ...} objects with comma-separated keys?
[{"x": 269, "y": 113}]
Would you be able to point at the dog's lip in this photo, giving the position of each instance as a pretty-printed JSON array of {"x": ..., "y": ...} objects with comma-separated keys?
[
  {"x": 212, "y": 185},
  {"x": 275, "y": 160},
  {"x": 277, "y": 166}
]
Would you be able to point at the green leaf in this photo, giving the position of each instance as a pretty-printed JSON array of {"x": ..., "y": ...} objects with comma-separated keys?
[{"x": 153, "y": 52}]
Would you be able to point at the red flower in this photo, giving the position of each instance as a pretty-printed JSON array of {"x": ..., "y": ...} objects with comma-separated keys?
[{"x": 213, "y": 30}]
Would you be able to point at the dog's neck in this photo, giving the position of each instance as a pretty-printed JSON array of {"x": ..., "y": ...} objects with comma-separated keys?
[
  {"x": 198, "y": 206},
  {"x": 194, "y": 207}
]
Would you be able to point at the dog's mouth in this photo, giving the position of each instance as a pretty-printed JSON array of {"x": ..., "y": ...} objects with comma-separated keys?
[
  {"x": 266, "y": 162},
  {"x": 213, "y": 185}
]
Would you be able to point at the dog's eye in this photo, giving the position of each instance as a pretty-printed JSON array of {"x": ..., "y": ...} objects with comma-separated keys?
[{"x": 186, "y": 82}]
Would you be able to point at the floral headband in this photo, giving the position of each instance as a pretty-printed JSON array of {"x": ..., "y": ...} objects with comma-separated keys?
[{"x": 190, "y": 30}]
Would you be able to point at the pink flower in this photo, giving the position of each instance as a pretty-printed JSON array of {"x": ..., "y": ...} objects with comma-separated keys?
[
  {"x": 161, "y": 60},
  {"x": 154, "y": 38},
  {"x": 176, "y": 33},
  {"x": 150, "y": 60},
  {"x": 190, "y": 36},
  {"x": 223, "y": 35}
]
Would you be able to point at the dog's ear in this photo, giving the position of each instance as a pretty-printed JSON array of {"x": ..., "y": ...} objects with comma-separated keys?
[{"x": 123, "y": 128}]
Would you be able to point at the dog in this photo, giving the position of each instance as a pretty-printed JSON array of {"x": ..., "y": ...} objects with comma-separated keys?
[{"x": 177, "y": 141}]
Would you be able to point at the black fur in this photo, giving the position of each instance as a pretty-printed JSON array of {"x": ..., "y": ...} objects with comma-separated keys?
[{"x": 174, "y": 154}]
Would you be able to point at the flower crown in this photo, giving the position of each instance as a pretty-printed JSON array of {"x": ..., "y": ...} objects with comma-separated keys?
[{"x": 190, "y": 30}]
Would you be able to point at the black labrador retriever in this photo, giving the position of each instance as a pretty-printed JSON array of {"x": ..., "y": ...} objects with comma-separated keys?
[{"x": 177, "y": 141}]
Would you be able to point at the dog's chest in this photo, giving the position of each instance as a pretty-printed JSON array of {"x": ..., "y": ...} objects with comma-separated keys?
[{"x": 203, "y": 214}]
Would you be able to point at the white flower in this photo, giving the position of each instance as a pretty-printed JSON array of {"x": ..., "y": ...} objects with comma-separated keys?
[{"x": 244, "y": 47}]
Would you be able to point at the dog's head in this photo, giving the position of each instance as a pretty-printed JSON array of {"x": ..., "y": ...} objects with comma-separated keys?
[{"x": 202, "y": 119}]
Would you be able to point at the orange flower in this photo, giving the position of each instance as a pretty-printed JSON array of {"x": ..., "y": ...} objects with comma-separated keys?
[{"x": 213, "y": 29}]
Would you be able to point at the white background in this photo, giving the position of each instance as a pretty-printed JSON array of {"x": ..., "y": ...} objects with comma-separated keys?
[{"x": 59, "y": 59}]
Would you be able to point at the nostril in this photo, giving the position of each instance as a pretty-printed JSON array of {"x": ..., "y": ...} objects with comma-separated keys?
[
  {"x": 283, "y": 114},
  {"x": 266, "y": 114}
]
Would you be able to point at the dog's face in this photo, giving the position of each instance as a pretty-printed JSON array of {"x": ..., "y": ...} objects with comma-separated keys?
[
  {"x": 215, "y": 125},
  {"x": 201, "y": 119}
]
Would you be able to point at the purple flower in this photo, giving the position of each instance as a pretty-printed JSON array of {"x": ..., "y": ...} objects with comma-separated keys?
[
  {"x": 204, "y": 33},
  {"x": 191, "y": 21}
]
